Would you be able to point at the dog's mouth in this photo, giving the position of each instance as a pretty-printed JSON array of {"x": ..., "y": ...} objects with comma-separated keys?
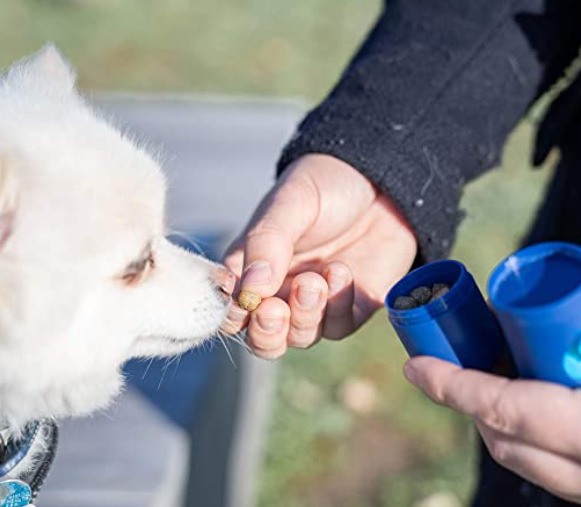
[
  {"x": 172, "y": 340},
  {"x": 164, "y": 346}
]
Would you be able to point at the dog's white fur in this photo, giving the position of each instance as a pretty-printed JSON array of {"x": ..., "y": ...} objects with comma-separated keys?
[{"x": 81, "y": 207}]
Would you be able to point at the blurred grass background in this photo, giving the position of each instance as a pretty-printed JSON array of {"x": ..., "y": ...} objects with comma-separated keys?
[{"x": 347, "y": 430}]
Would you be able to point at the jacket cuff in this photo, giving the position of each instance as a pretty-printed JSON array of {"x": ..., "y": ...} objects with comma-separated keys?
[{"x": 427, "y": 197}]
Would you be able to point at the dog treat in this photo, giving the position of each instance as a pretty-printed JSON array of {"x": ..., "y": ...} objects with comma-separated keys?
[
  {"x": 438, "y": 290},
  {"x": 421, "y": 294},
  {"x": 249, "y": 300},
  {"x": 438, "y": 287},
  {"x": 405, "y": 303}
]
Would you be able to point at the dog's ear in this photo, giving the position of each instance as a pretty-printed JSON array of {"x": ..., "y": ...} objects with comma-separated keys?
[
  {"x": 46, "y": 69},
  {"x": 8, "y": 198},
  {"x": 50, "y": 63}
]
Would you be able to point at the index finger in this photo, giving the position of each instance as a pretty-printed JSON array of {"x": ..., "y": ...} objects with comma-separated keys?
[
  {"x": 542, "y": 414},
  {"x": 285, "y": 215}
]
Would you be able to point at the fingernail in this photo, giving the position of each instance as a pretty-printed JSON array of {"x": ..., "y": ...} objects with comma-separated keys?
[
  {"x": 336, "y": 284},
  {"x": 410, "y": 373},
  {"x": 269, "y": 325},
  {"x": 258, "y": 273},
  {"x": 307, "y": 297}
]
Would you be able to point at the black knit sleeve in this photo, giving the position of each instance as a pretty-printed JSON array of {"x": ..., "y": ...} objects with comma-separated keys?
[{"x": 429, "y": 100}]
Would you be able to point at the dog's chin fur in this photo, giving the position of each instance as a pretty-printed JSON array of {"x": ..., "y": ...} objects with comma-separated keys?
[{"x": 81, "y": 213}]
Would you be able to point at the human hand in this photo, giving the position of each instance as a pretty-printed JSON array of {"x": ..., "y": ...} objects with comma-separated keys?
[
  {"x": 322, "y": 250},
  {"x": 530, "y": 427}
]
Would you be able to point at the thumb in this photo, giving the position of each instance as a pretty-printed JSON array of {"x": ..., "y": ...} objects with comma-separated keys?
[{"x": 286, "y": 214}]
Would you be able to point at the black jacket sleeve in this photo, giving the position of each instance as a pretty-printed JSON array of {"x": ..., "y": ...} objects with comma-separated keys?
[{"x": 429, "y": 100}]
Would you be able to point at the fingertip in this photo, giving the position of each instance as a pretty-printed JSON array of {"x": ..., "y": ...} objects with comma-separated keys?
[
  {"x": 410, "y": 372},
  {"x": 269, "y": 325},
  {"x": 339, "y": 318},
  {"x": 267, "y": 256},
  {"x": 270, "y": 355},
  {"x": 338, "y": 276},
  {"x": 309, "y": 290},
  {"x": 310, "y": 278},
  {"x": 307, "y": 303},
  {"x": 258, "y": 278},
  {"x": 422, "y": 371},
  {"x": 423, "y": 363},
  {"x": 234, "y": 261},
  {"x": 236, "y": 320},
  {"x": 272, "y": 307}
]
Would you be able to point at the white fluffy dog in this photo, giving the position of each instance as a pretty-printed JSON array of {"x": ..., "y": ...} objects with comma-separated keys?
[{"x": 87, "y": 279}]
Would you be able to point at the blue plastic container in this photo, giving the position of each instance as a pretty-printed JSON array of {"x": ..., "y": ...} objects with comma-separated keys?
[
  {"x": 457, "y": 327},
  {"x": 536, "y": 295}
]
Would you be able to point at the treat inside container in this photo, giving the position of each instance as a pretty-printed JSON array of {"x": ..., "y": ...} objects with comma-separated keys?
[
  {"x": 457, "y": 327},
  {"x": 536, "y": 294}
]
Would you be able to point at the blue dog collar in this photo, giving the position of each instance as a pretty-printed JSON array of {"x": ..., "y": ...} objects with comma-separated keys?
[{"x": 19, "y": 485}]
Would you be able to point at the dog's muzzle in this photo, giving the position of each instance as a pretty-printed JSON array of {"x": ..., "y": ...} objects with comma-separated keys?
[{"x": 25, "y": 462}]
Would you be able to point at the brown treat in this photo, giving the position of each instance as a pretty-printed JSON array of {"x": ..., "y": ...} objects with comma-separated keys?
[
  {"x": 439, "y": 293},
  {"x": 421, "y": 294},
  {"x": 249, "y": 300},
  {"x": 405, "y": 303}
]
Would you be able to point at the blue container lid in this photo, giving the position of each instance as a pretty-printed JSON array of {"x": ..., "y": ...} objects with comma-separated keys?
[{"x": 537, "y": 279}]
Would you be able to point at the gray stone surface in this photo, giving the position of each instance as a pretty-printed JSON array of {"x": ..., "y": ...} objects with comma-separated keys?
[
  {"x": 219, "y": 155},
  {"x": 129, "y": 457}
]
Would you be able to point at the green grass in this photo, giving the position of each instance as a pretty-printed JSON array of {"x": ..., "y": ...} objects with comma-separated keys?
[
  {"x": 316, "y": 445},
  {"x": 226, "y": 46}
]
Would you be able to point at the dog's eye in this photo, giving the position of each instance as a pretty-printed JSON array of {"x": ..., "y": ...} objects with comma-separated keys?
[{"x": 137, "y": 270}]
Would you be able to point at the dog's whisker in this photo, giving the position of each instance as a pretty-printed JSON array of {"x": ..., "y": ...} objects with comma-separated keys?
[
  {"x": 107, "y": 415},
  {"x": 176, "y": 232},
  {"x": 238, "y": 339},
  {"x": 228, "y": 352},
  {"x": 170, "y": 361},
  {"x": 179, "y": 359},
  {"x": 147, "y": 368},
  {"x": 163, "y": 372},
  {"x": 241, "y": 343}
]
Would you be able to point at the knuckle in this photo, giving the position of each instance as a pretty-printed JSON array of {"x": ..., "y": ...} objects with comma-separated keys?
[
  {"x": 268, "y": 227},
  {"x": 306, "y": 322},
  {"x": 437, "y": 391},
  {"x": 310, "y": 279},
  {"x": 264, "y": 343},
  {"x": 439, "y": 394},
  {"x": 334, "y": 333},
  {"x": 269, "y": 353},
  {"x": 339, "y": 268},
  {"x": 230, "y": 328},
  {"x": 500, "y": 451},
  {"x": 302, "y": 339},
  {"x": 496, "y": 413},
  {"x": 301, "y": 344},
  {"x": 302, "y": 186}
]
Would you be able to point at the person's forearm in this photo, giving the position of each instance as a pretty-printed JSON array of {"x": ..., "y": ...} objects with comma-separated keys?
[{"x": 428, "y": 102}]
